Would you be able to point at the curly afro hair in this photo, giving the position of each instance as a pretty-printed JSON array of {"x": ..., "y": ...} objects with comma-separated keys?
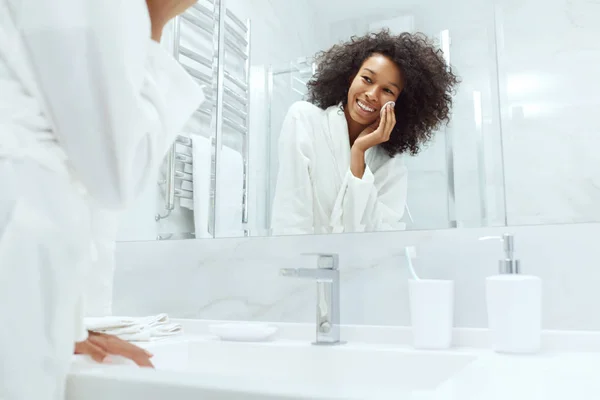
[{"x": 424, "y": 104}]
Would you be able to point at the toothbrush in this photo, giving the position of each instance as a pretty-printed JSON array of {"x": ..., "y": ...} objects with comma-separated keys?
[{"x": 410, "y": 253}]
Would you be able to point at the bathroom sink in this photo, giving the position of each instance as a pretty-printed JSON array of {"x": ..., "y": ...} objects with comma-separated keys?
[
  {"x": 346, "y": 371},
  {"x": 276, "y": 370}
]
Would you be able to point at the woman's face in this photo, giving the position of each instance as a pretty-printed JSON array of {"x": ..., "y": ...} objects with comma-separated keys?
[{"x": 378, "y": 81}]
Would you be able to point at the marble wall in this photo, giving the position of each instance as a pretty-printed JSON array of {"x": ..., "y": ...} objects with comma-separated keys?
[
  {"x": 550, "y": 96},
  {"x": 238, "y": 279}
]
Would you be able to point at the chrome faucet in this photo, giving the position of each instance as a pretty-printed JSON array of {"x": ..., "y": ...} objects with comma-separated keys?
[{"x": 327, "y": 276}]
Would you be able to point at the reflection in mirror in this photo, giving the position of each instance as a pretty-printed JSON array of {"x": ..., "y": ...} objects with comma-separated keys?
[
  {"x": 371, "y": 100},
  {"x": 295, "y": 138}
]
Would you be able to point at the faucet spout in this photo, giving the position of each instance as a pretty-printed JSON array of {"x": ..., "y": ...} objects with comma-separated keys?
[
  {"x": 293, "y": 272},
  {"x": 321, "y": 275}
]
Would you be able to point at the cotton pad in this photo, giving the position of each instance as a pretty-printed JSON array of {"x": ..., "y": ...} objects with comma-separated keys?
[{"x": 389, "y": 102}]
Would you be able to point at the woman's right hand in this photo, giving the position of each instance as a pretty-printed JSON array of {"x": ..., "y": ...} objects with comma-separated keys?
[
  {"x": 377, "y": 133},
  {"x": 162, "y": 11},
  {"x": 99, "y": 346}
]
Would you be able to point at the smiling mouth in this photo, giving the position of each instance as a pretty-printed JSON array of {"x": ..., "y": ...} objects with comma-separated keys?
[{"x": 365, "y": 107}]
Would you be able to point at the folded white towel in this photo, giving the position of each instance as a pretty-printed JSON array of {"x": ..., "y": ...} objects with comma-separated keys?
[
  {"x": 150, "y": 328},
  {"x": 230, "y": 194},
  {"x": 187, "y": 203},
  {"x": 151, "y": 334},
  {"x": 201, "y": 175}
]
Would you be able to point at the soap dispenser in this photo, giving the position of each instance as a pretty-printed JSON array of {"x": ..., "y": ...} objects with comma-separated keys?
[{"x": 514, "y": 305}]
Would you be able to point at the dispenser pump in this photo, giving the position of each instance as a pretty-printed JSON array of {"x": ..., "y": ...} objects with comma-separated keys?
[{"x": 508, "y": 265}]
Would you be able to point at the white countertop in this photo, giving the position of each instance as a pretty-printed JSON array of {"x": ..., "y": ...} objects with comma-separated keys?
[
  {"x": 543, "y": 376},
  {"x": 567, "y": 368}
]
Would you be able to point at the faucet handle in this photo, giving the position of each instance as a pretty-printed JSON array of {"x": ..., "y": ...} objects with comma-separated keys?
[{"x": 326, "y": 260}]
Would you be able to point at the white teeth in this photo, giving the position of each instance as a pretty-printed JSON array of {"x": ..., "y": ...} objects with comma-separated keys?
[{"x": 364, "y": 107}]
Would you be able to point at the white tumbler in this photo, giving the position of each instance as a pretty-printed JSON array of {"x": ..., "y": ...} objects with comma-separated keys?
[{"x": 431, "y": 313}]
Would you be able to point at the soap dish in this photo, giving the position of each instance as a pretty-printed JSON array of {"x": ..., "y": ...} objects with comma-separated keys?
[{"x": 243, "y": 332}]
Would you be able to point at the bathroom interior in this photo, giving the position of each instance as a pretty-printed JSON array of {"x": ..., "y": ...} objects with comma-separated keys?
[{"x": 518, "y": 162}]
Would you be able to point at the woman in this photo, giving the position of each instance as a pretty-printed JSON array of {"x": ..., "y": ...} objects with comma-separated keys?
[
  {"x": 89, "y": 103},
  {"x": 371, "y": 99}
]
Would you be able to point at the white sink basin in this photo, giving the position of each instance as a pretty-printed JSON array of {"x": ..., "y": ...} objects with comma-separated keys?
[
  {"x": 345, "y": 371},
  {"x": 279, "y": 370}
]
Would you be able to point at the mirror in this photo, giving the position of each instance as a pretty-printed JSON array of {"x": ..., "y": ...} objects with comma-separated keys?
[{"x": 482, "y": 169}]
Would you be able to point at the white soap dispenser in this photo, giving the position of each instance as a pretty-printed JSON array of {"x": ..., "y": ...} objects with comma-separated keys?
[{"x": 514, "y": 305}]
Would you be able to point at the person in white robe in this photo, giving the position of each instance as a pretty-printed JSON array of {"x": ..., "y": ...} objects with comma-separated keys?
[
  {"x": 89, "y": 104},
  {"x": 371, "y": 100},
  {"x": 316, "y": 190}
]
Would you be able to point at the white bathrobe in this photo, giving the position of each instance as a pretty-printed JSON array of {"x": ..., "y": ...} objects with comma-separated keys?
[
  {"x": 316, "y": 191},
  {"x": 88, "y": 107}
]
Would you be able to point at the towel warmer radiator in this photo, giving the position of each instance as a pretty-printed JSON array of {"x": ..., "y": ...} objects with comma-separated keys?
[{"x": 227, "y": 104}]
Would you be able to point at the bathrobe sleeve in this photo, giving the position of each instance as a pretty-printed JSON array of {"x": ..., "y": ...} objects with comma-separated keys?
[
  {"x": 374, "y": 203},
  {"x": 115, "y": 98},
  {"x": 81, "y": 333},
  {"x": 292, "y": 211}
]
